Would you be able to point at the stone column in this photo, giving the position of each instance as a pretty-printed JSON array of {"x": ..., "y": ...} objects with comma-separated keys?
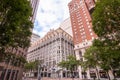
[
  {"x": 79, "y": 68},
  {"x": 14, "y": 75},
  {"x": 6, "y": 72},
  {"x": 65, "y": 74},
  {"x": 1, "y": 69},
  {"x": 79, "y": 71},
  {"x": 61, "y": 74},
  {"x": 11, "y": 74}
]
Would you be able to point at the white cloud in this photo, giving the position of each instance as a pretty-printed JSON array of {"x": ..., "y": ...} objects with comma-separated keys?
[{"x": 50, "y": 14}]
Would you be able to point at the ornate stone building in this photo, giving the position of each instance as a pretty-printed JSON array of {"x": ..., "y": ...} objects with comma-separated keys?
[{"x": 54, "y": 47}]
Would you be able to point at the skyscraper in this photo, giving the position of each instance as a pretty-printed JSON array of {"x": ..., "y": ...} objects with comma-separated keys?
[
  {"x": 34, "y": 4},
  {"x": 81, "y": 20},
  {"x": 34, "y": 38},
  {"x": 83, "y": 35},
  {"x": 54, "y": 47},
  {"x": 66, "y": 26}
]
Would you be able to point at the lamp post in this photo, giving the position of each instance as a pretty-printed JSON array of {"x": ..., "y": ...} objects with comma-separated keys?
[
  {"x": 39, "y": 71},
  {"x": 58, "y": 72},
  {"x": 53, "y": 72}
]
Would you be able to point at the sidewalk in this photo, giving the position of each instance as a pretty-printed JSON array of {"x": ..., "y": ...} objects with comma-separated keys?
[
  {"x": 60, "y": 79},
  {"x": 53, "y": 79}
]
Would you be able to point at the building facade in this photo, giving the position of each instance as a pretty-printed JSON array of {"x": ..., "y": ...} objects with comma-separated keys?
[
  {"x": 81, "y": 20},
  {"x": 66, "y": 26},
  {"x": 54, "y": 47},
  {"x": 11, "y": 68},
  {"x": 34, "y": 5},
  {"x": 34, "y": 38},
  {"x": 83, "y": 35}
]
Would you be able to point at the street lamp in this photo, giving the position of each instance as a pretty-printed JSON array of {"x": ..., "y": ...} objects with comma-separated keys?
[
  {"x": 39, "y": 71},
  {"x": 53, "y": 72},
  {"x": 58, "y": 71}
]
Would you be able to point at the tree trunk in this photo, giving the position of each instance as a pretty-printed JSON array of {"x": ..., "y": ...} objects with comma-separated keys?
[
  {"x": 97, "y": 73},
  {"x": 72, "y": 75},
  {"x": 108, "y": 75},
  {"x": 113, "y": 73}
]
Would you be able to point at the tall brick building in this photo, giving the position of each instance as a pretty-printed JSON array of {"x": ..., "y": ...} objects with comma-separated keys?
[
  {"x": 83, "y": 35},
  {"x": 81, "y": 20}
]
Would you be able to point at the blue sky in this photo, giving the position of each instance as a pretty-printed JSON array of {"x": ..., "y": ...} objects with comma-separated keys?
[{"x": 49, "y": 15}]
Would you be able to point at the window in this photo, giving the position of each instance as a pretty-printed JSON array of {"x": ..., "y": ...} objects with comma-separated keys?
[
  {"x": 86, "y": 19},
  {"x": 83, "y": 37},
  {"x": 89, "y": 26},
  {"x": 92, "y": 38},
  {"x": 86, "y": 40},
  {"x": 90, "y": 30},
  {"x": 80, "y": 53},
  {"x": 82, "y": 33},
  {"x": 88, "y": 23},
  {"x": 91, "y": 33}
]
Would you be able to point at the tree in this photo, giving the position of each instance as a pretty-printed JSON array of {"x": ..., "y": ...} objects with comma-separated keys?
[
  {"x": 15, "y": 24},
  {"x": 98, "y": 55},
  {"x": 91, "y": 59},
  {"x": 106, "y": 18},
  {"x": 28, "y": 66},
  {"x": 31, "y": 65},
  {"x": 71, "y": 63},
  {"x": 106, "y": 24}
]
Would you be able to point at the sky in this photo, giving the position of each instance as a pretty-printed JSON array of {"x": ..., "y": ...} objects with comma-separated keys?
[{"x": 49, "y": 15}]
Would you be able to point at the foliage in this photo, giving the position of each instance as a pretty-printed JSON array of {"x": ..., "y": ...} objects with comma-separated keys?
[
  {"x": 13, "y": 59},
  {"x": 91, "y": 57},
  {"x": 70, "y": 63},
  {"x": 32, "y": 65},
  {"x": 15, "y": 24},
  {"x": 106, "y": 17},
  {"x": 106, "y": 24}
]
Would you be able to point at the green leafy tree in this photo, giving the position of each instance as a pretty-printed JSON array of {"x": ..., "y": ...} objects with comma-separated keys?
[
  {"x": 106, "y": 19},
  {"x": 71, "y": 63},
  {"x": 91, "y": 59},
  {"x": 15, "y": 24},
  {"x": 101, "y": 56},
  {"x": 106, "y": 24},
  {"x": 28, "y": 66},
  {"x": 31, "y": 65}
]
